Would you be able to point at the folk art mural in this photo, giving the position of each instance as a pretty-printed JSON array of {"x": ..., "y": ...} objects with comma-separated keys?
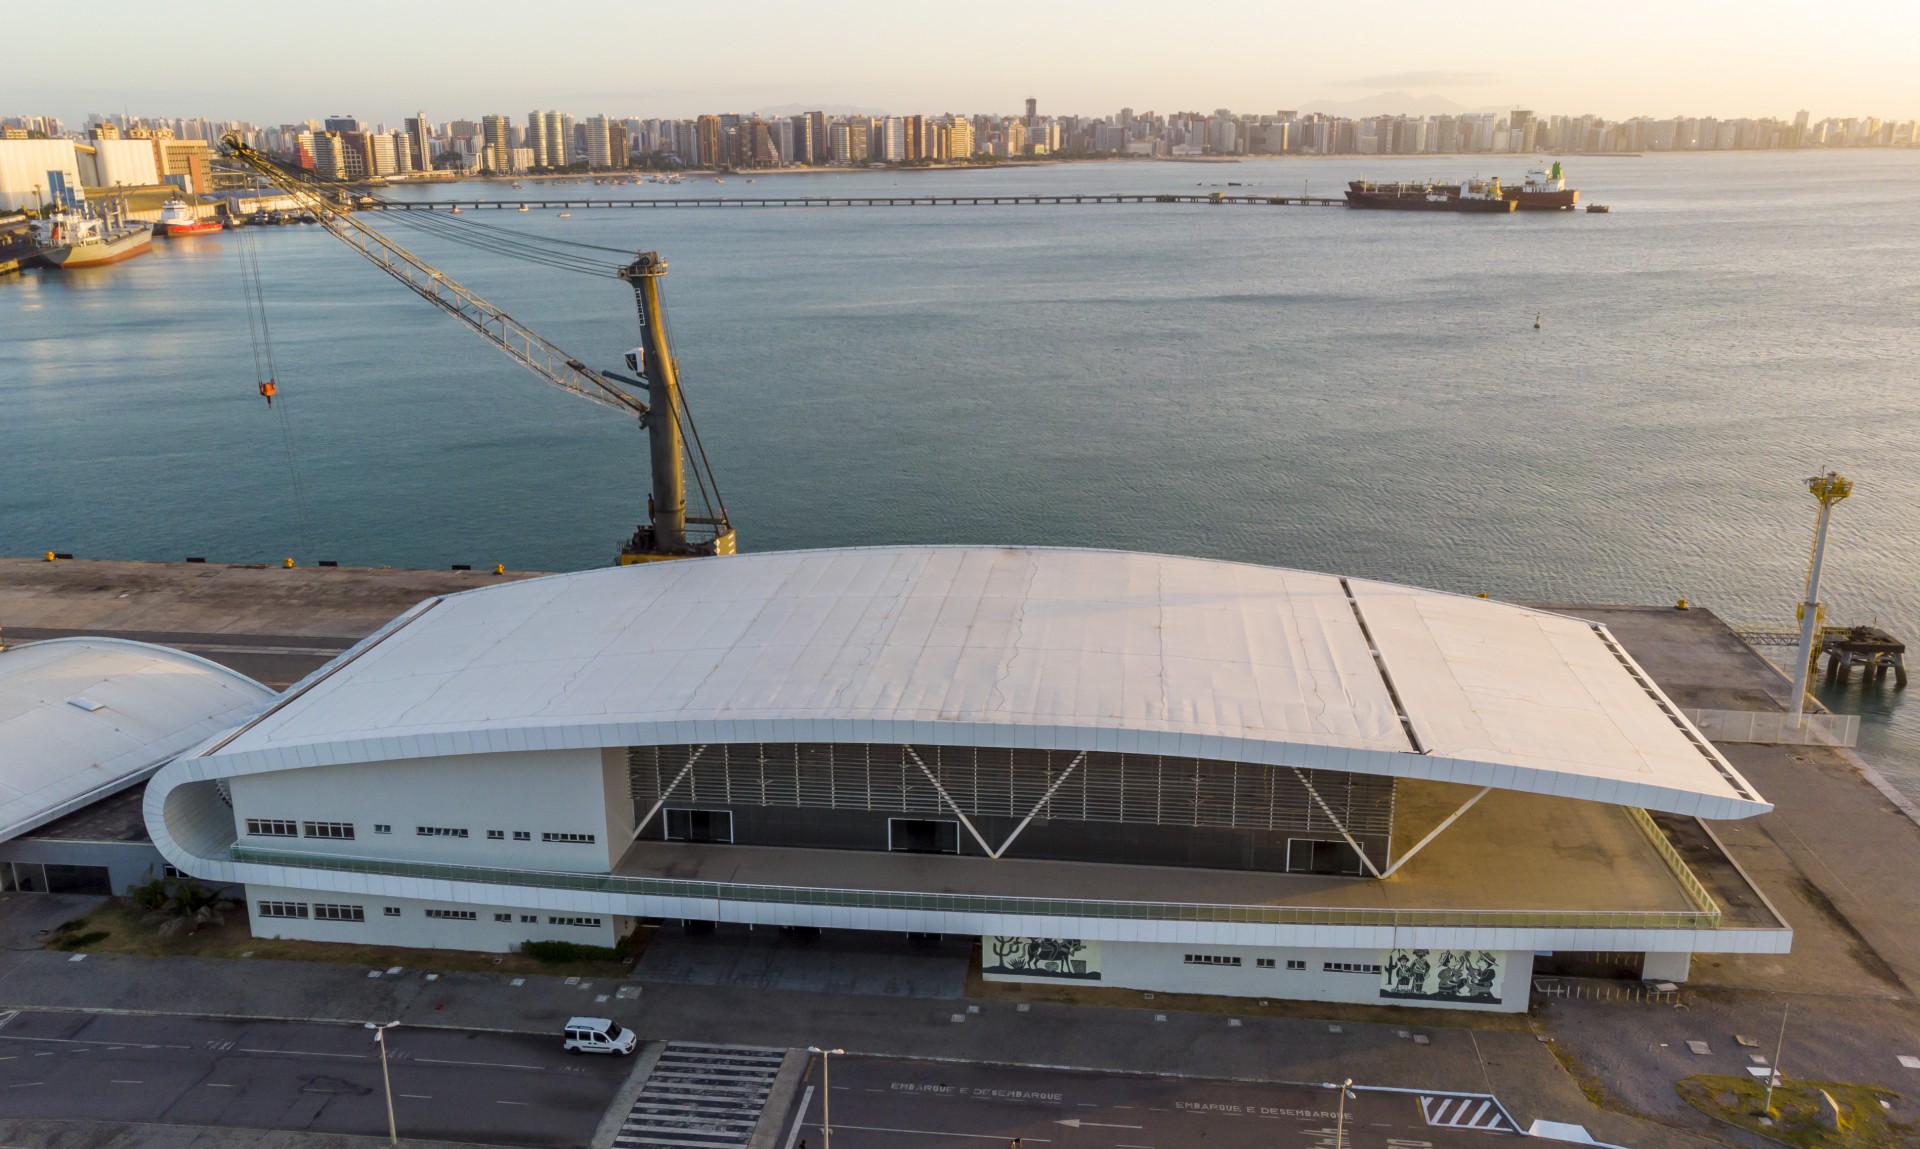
[
  {"x": 1069, "y": 958},
  {"x": 1470, "y": 976}
]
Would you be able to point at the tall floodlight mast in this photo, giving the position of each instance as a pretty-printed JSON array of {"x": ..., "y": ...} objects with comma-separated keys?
[{"x": 1828, "y": 489}]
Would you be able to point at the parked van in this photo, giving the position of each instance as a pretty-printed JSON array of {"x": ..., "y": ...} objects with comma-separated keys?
[{"x": 598, "y": 1035}]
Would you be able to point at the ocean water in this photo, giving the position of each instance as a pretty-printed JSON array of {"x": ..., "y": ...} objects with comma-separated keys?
[{"x": 1356, "y": 392}]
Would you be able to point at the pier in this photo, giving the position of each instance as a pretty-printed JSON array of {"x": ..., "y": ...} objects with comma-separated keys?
[{"x": 692, "y": 202}]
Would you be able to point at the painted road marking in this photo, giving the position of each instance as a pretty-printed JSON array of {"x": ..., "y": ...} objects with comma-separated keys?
[
  {"x": 304, "y": 1053},
  {"x": 82, "y": 1041},
  {"x": 26, "y": 1085},
  {"x": 1075, "y": 1123},
  {"x": 476, "y": 1064},
  {"x": 935, "y": 1133},
  {"x": 418, "y": 1096},
  {"x": 219, "y": 1085},
  {"x": 701, "y": 1095},
  {"x": 499, "y": 1102},
  {"x": 1479, "y": 1112},
  {"x": 124, "y": 1081}
]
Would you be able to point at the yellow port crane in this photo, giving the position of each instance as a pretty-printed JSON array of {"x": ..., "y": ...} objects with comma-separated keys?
[{"x": 670, "y": 532}]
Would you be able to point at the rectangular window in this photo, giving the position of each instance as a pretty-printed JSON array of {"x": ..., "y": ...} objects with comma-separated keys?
[
  {"x": 454, "y": 915},
  {"x": 340, "y": 831},
  {"x": 326, "y": 913},
  {"x": 1212, "y": 959},
  {"x": 571, "y": 921},
  {"x": 503, "y": 917},
  {"x": 496, "y": 835},
  {"x": 581, "y": 839},
  {"x": 391, "y": 911},
  {"x": 1349, "y": 967},
  {"x": 1296, "y": 963},
  {"x": 167, "y": 870},
  {"x": 383, "y": 827},
  {"x": 273, "y": 828},
  {"x": 283, "y": 909},
  {"x": 530, "y": 919},
  {"x": 440, "y": 831},
  {"x": 1263, "y": 963}
]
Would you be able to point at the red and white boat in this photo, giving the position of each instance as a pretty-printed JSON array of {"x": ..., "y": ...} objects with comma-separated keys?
[{"x": 177, "y": 218}]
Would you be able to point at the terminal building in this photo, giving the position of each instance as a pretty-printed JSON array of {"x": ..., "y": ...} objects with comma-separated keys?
[{"x": 1113, "y": 769}]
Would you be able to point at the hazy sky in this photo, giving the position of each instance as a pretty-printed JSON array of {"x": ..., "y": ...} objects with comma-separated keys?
[{"x": 273, "y": 62}]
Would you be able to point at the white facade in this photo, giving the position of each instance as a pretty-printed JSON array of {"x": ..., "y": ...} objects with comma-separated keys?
[
  {"x": 359, "y": 917},
  {"x": 24, "y": 165},
  {"x": 119, "y": 163}
]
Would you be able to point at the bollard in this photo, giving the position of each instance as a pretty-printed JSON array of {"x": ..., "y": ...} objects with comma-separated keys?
[
  {"x": 499, "y": 568},
  {"x": 288, "y": 563},
  {"x": 1681, "y": 605},
  {"x": 49, "y": 556}
]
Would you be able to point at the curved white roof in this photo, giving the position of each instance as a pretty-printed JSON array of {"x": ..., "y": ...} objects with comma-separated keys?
[
  {"x": 1008, "y": 646},
  {"x": 81, "y": 718}
]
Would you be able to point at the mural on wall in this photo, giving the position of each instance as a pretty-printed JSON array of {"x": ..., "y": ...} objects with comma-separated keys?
[
  {"x": 1041, "y": 957},
  {"x": 1468, "y": 976}
]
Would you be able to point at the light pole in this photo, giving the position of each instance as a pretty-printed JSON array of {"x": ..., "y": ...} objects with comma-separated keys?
[
  {"x": 380, "y": 1039},
  {"x": 1340, "y": 1123},
  {"x": 826, "y": 1092},
  {"x": 1773, "y": 1074}
]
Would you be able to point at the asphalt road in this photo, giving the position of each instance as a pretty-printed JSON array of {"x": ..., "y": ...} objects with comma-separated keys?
[
  {"x": 447, "y": 1084},
  {"x": 889, "y": 1104}
]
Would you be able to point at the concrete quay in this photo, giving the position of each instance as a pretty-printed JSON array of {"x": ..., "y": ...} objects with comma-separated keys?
[{"x": 1838, "y": 858}]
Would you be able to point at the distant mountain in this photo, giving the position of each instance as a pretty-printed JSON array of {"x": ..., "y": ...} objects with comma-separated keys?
[
  {"x": 1397, "y": 103},
  {"x": 829, "y": 109}
]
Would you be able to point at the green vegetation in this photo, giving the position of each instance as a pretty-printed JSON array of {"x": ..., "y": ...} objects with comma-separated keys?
[
  {"x": 179, "y": 905},
  {"x": 1802, "y": 1116},
  {"x": 561, "y": 953}
]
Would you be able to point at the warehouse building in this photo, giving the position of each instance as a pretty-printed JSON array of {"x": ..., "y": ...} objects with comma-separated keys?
[
  {"x": 83, "y": 721},
  {"x": 1119, "y": 769}
]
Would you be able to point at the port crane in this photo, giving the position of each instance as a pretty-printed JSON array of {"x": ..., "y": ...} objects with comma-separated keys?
[{"x": 670, "y": 531}]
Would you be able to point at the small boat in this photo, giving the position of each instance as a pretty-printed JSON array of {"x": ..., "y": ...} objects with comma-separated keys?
[
  {"x": 566, "y": 215},
  {"x": 177, "y": 218},
  {"x": 456, "y": 210},
  {"x": 1598, "y": 209},
  {"x": 523, "y": 207}
]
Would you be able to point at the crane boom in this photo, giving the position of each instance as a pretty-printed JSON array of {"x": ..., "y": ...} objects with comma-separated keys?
[
  {"x": 670, "y": 532},
  {"x": 503, "y": 330}
]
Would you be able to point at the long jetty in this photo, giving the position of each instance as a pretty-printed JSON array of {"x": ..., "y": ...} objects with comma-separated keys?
[{"x": 854, "y": 201}]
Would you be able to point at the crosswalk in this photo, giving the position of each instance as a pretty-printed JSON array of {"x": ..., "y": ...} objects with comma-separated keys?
[
  {"x": 1477, "y": 1112},
  {"x": 701, "y": 1097}
]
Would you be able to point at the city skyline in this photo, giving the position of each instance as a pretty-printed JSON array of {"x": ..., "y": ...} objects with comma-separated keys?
[{"x": 1635, "y": 58}]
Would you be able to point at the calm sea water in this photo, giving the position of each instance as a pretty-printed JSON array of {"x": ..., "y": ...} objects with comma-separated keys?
[{"x": 1355, "y": 392}]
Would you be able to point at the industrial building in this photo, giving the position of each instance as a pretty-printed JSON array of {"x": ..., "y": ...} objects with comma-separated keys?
[
  {"x": 83, "y": 721},
  {"x": 1114, "y": 769}
]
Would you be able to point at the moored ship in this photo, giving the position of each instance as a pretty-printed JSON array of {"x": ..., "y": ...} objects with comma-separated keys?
[
  {"x": 1543, "y": 190},
  {"x": 72, "y": 241},
  {"x": 177, "y": 218},
  {"x": 1467, "y": 197}
]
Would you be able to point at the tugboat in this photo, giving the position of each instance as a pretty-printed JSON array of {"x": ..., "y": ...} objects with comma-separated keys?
[
  {"x": 177, "y": 218},
  {"x": 1468, "y": 197},
  {"x": 1544, "y": 190},
  {"x": 70, "y": 241}
]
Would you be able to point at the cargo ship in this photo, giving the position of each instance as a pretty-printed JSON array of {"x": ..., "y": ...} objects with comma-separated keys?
[
  {"x": 71, "y": 241},
  {"x": 1468, "y": 197},
  {"x": 1543, "y": 190},
  {"x": 177, "y": 218}
]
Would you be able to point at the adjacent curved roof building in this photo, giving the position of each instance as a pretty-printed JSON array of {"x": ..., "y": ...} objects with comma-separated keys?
[
  {"x": 1037, "y": 746},
  {"x": 81, "y": 718}
]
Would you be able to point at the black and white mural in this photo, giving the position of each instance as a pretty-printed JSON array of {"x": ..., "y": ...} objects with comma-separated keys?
[
  {"x": 1069, "y": 958},
  {"x": 1457, "y": 976}
]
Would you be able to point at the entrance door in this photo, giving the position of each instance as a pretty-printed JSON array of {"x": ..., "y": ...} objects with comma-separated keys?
[
  {"x": 1310, "y": 856},
  {"x": 699, "y": 825},
  {"x": 922, "y": 836}
]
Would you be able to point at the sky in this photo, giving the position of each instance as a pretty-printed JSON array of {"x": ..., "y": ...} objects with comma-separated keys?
[{"x": 380, "y": 61}]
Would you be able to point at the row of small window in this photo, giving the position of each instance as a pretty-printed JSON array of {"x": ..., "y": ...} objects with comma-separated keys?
[
  {"x": 343, "y": 831},
  {"x": 324, "y": 912},
  {"x": 280, "y": 828},
  {"x": 1233, "y": 961}
]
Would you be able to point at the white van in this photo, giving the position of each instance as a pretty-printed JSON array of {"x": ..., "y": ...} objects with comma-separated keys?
[{"x": 598, "y": 1035}]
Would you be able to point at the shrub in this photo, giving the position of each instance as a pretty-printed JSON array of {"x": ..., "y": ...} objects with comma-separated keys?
[
  {"x": 559, "y": 953},
  {"x": 80, "y": 941},
  {"x": 69, "y": 926}
]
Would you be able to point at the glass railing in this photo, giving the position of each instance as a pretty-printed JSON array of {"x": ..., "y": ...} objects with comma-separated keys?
[{"x": 997, "y": 904}]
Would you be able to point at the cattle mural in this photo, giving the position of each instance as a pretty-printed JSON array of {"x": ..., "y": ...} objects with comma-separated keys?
[{"x": 1041, "y": 957}]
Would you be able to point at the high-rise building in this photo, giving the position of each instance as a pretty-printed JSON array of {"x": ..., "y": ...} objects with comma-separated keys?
[
  {"x": 893, "y": 139},
  {"x": 537, "y": 137},
  {"x": 805, "y": 149},
  {"x": 710, "y": 146},
  {"x": 619, "y": 145},
  {"x": 343, "y": 124},
  {"x": 916, "y": 142},
  {"x": 849, "y": 141},
  {"x": 1033, "y": 110},
  {"x": 419, "y": 143},
  {"x": 1520, "y": 125},
  {"x": 385, "y": 159},
  {"x": 599, "y": 142},
  {"x": 496, "y": 150},
  {"x": 329, "y": 156},
  {"x": 559, "y": 136},
  {"x": 817, "y": 129}
]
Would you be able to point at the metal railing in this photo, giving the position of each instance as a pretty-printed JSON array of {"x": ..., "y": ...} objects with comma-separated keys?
[
  {"x": 1776, "y": 728},
  {"x": 1695, "y": 891},
  {"x": 996, "y": 904}
]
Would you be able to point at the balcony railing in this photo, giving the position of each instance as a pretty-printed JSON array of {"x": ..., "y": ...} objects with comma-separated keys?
[{"x": 993, "y": 904}]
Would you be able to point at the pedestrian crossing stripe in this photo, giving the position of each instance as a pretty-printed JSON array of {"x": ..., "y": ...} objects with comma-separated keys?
[
  {"x": 1473, "y": 1112},
  {"x": 700, "y": 1096}
]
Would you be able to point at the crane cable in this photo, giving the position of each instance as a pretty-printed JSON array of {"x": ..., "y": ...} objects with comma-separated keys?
[
  {"x": 258, "y": 333},
  {"x": 703, "y": 475}
]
